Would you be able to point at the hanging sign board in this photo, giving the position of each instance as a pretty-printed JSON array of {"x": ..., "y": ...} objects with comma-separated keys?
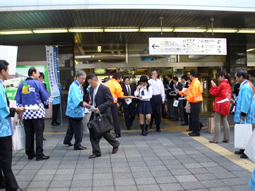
[{"x": 187, "y": 46}]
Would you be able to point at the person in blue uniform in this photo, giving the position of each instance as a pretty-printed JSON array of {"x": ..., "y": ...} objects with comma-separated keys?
[
  {"x": 32, "y": 92},
  {"x": 55, "y": 108},
  {"x": 76, "y": 111},
  {"x": 6, "y": 132},
  {"x": 243, "y": 111}
]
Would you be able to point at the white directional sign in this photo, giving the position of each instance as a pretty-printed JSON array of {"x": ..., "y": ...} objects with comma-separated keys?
[{"x": 187, "y": 46}]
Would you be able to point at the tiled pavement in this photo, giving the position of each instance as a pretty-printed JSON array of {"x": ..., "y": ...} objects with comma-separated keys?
[{"x": 166, "y": 161}]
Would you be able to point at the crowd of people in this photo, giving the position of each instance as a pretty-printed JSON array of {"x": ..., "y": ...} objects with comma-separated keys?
[{"x": 149, "y": 100}]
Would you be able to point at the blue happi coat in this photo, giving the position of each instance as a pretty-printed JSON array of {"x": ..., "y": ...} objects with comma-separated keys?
[
  {"x": 32, "y": 92},
  {"x": 75, "y": 97},
  {"x": 244, "y": 103},
  {"x": 5, "y": 121}
]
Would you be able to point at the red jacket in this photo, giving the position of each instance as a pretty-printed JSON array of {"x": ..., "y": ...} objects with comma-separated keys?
[{"x": 221, "y": 92}]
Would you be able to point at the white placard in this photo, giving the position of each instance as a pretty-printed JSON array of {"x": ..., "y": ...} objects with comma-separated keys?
[
  {"x": 187, "y": 46},
  {"x": 9, "y": 53}
]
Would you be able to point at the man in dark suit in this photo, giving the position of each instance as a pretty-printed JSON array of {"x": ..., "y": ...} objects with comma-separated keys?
[
  {"x": 170, "y": 98},
  {"x": 178, "y": 109},
  {"x": 101, "y": 98},
  {"x": 185, "y": 114},
  {"x": 129, "y": 107}
]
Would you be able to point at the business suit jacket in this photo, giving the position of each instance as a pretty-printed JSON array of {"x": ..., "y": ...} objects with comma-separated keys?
[
  {"x": 103, "y": 101},
  {"x": 132, "y": 89},
  {"x": 170, "y": 90},
  {"x": 179, "y": 87}
]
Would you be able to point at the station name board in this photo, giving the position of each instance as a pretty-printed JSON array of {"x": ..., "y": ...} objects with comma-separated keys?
[{"x": 187, "y": 46}]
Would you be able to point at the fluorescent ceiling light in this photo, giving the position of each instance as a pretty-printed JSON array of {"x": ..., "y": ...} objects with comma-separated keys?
[
  {"x": 246, "y": 31},
  {"x": 121, "y": 30},
  {"x": 15, "y": 32},
  {"x": 219, "y": 30},
  {"x": 249, "y": 50},
  {"x": 50, "y": 30},
  {"x": 85, "y": 30},
  {"x": 156, "y": 29},
  {"x": 189, "y": 30}
]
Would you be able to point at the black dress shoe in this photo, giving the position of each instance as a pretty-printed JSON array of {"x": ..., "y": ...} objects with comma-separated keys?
[
  {"x": 55, "y": 124},
  {"x": 243, "y": 156},
  {"x": 115, "y": 150},
  {"x": 225, "y": 141},
  {"x": 143, "y": 134},
  {"x": 188, "y": 130},
  {"x": 194, "y": 134},
  {"x": 42, "y": 158},
  {"x": 2, "y": 185},
  {"x": 69, "y": 144},
  {"x": 240, "y": 152},
  {"x": 117, "y": 135},
  {"x": 184, "y": 124},
  {"x": 31, "y": 157},
  {"x": 80, "y": 148},
  {"x": 19, "y": 189},
  {"x": 94, "y": 156}
]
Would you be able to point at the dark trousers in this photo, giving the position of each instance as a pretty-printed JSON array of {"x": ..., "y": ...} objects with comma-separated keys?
[
  {"x": 34, "y": 126},
  {"x": 75, "y": 128},
  {"x": 185, "y": 114},
  {"x": 129, "y": 115},
  {"x": 95, "y": 142},
  {"x": 178, "y": 110},
  {"x": 115, "y": 117},
  {"x": 55, "y": 111},
  {"x": 194, "y": 117},
  {"x": 170, "y": 108},
  {"x": 156, "y": 102},
  {"x": 6, "y": 163}
]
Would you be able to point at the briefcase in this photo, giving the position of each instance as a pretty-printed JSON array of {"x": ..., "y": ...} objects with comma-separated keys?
[
  {"x": 99, "y": 126},
  {"x": 210, "y": 125}
]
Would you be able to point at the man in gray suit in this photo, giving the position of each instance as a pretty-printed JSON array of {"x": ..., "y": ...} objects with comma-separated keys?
[{"x": 101, "y": 98}]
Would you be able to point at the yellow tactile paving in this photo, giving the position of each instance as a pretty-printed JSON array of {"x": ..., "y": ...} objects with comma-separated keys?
[{"x": 174, "y": 127}]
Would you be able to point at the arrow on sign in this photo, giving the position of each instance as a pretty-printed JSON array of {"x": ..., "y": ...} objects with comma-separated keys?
[{"x": 153, "y": 46}]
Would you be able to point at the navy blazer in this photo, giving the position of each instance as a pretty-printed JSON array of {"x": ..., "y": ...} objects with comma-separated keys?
[{"x": 132, "y": 89}]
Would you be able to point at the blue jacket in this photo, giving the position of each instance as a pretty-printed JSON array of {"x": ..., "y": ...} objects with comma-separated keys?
[
  {"x": 244, "y": 102},
  {"x": 5, "y": 121},
  {"x": 32, "y": 92},
  {"x": 74, "y": 98}
]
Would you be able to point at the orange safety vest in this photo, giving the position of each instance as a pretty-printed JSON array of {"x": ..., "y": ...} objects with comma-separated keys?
[
  {"x": 194, "y": 92},
  {"x": 115, "y": 88}
]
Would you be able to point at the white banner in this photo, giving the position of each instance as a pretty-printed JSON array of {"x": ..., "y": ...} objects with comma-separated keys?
[
  {"x": 187, "y": 46},
  {"x": 52, "y": 62},
  {"x": 9, "y": 53}
]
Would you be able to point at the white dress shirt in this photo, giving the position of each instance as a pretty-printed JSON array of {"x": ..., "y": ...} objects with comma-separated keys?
[
  {"x": 147, "y": 94},
  {"x": 158, "y": 88}
]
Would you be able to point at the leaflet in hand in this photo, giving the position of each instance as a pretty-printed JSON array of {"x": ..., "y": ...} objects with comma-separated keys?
[
  {"x": 32, "y": 107},
  {"x": 128, "y": 101},
  {"x": 92, "y": 109},
  {"x": 224, "y": 100}
]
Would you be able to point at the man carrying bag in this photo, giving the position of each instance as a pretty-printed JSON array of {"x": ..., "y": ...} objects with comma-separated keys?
[{"x": 101, "y": 100}]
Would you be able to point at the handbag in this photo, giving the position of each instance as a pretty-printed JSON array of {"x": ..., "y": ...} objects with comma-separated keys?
[
  {"x": 187, "y": 108},
  {"x": 210, "y": 125},
  {"x": 250, "y": 148},
  {"x": 19, "y": 137},
  {"x": 242, "y": 135},
  {"x": 252, "y": 181},
  {"x": 100, "y": 125}
]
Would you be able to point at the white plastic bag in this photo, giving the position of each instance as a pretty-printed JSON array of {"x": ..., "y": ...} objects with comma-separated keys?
[
  {"x": 19, "y": 138},
  {"x": 250, "y": 148},
  {"x": 242, "y": 135}
]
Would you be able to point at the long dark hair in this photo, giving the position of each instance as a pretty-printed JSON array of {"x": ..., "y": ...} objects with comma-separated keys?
[
  {"x": 225, "y": 75},
  {"x": 145, "y": 79}
]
